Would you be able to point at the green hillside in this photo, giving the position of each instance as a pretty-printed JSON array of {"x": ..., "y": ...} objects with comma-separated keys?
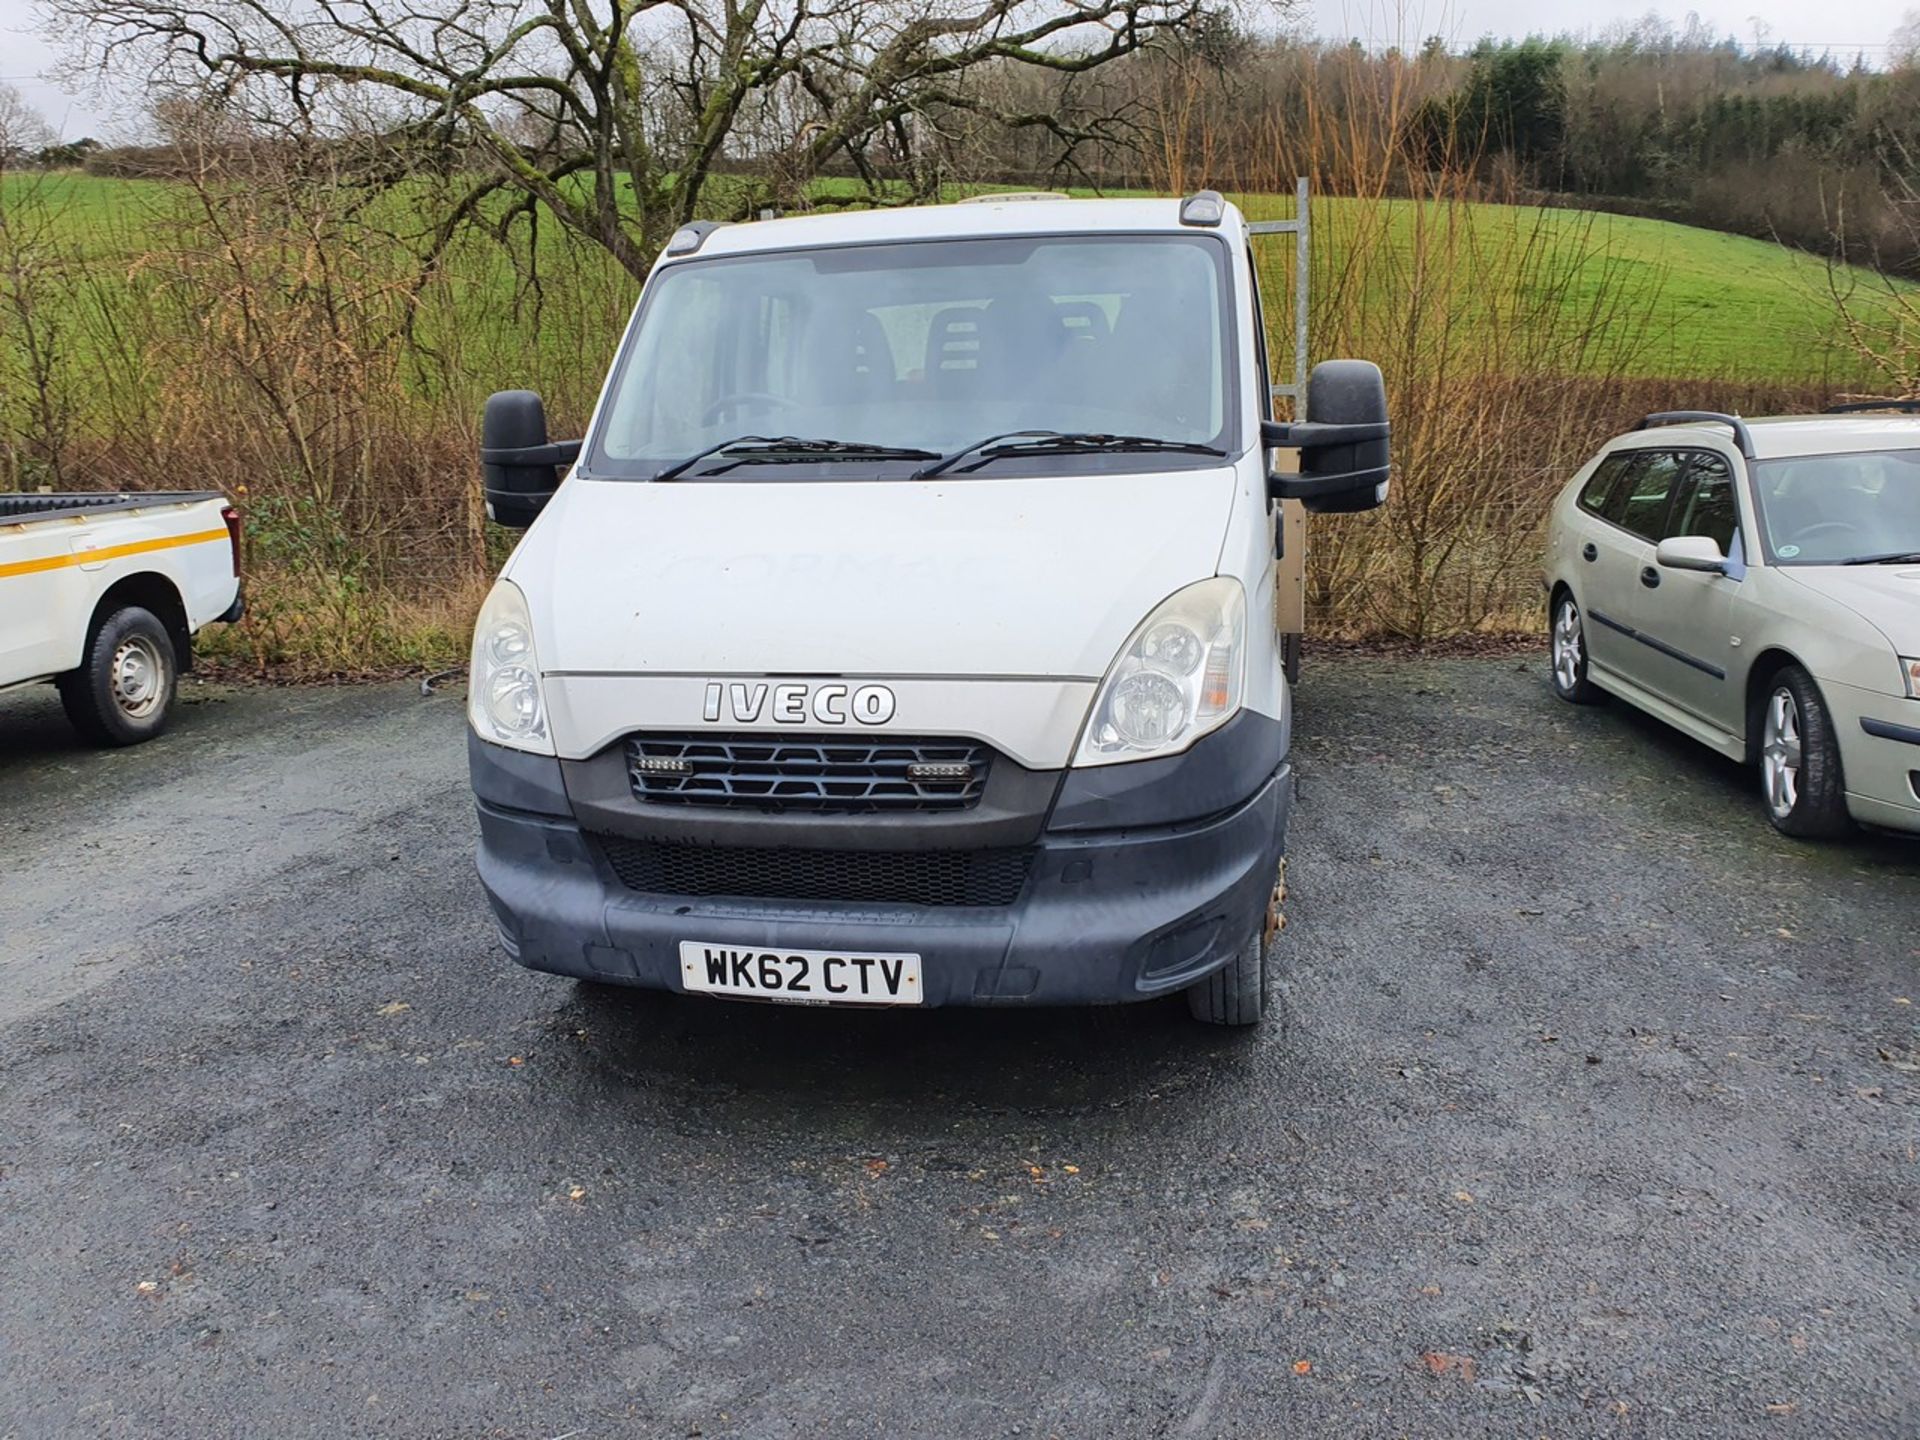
[
  {"x": 1692, "y": 303},
  {"x": 1663, "y": 299},
  {"x": 1697, "y": 303}
]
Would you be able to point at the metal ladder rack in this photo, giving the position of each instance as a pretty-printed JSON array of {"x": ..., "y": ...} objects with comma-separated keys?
[
  {"x": 1290, "y": 574},
  {"x": 1296, "y": 390}
]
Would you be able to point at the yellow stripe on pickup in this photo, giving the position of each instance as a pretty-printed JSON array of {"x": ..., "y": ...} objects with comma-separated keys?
[{"x": 108, "y": 552}]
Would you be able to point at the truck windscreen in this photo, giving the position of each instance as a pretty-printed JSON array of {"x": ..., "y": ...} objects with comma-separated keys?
[{"x": 927, "y": 346}]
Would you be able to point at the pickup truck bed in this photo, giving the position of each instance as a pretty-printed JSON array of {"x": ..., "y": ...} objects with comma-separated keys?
[
  {"x": 22, "y": 509},
  {"x": 102, "y": 594}
]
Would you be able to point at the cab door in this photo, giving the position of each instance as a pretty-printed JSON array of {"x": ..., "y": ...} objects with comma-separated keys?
[{"x": 1684, "y": 617}]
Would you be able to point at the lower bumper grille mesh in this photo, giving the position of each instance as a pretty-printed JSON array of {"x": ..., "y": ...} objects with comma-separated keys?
[{"x": 893, "y": 877}]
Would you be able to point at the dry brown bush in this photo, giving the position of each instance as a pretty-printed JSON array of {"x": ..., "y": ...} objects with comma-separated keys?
[
  {"x": 264, "y": 324},
  {"x": 304, "y": 342},
  {"x": 1511, "y": 342}
]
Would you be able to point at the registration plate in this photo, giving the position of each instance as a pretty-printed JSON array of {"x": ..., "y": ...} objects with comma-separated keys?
[{"x": 811, "y": 977}]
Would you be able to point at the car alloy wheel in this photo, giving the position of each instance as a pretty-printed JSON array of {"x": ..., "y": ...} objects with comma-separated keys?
[
  {"x": 1780, "y": 753},
  {"x": 1569, "y": 646}
]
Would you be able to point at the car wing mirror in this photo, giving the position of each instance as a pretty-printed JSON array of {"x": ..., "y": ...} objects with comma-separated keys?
[
  {"x": 1691, "y": 552},
  {"x": 1344, "y": 443},
  {"x": 519, "y": 466}
]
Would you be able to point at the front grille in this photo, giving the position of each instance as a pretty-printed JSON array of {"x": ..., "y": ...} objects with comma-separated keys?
[
  {"x": 886, "y": 877},
  {"x": 851, "y": 775}
]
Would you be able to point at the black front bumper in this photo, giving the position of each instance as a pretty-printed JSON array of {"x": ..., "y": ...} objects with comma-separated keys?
[{"x": 1104, "y": 915}]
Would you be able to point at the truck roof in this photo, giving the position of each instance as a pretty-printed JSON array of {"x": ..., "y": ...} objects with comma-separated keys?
[
  {"x": 1777, "y": 437},
  {"x": 975, "y": 218}
]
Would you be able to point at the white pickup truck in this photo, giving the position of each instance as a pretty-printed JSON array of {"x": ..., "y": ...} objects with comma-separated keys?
[{"x": 102, "y": 594}]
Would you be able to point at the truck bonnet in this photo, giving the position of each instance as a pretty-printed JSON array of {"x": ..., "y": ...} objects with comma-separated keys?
[{"x": 973, "y": 576}]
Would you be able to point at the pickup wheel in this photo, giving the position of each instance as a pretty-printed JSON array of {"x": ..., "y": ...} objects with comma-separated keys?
[{"x": 123, "y": 690}]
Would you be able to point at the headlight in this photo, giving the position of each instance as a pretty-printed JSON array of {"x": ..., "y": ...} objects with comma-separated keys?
[
  {"x": 1910, "y": 671},
  {"x": 1180, "y": 675},
  {"x": 504, "y": 703}
]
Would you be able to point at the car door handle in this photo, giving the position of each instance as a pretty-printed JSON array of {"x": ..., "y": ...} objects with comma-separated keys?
[
  {"x": 1649, "y": 577},
  {"x": 1589, "y": 551}
]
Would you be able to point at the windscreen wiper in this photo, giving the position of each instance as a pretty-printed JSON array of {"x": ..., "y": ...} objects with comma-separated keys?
[
  {"x": 1058, "y": 442},
  {"x": 1897, "y": 557},
  {"x": 788, "y": 450}
]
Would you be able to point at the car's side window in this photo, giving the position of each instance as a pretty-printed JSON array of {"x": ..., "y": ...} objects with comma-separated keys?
[
  {"x": 1630, "y": 468},
  {"x": 1599, "y": 487},
  {"x": 1640, "y": 503},
  {"x": 1706, "y": 504}
]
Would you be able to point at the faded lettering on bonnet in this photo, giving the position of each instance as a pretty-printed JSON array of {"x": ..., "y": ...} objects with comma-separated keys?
[{"x": 795, "y": 703}]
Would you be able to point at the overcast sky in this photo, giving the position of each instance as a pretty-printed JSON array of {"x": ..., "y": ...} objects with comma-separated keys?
[{"x": 1845, "y": 27}]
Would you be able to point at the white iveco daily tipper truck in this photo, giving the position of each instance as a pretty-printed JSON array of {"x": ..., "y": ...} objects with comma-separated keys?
[{"x": 901, "y": 633}]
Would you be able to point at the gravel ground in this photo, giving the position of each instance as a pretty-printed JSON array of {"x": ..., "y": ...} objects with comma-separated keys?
[{"x": 1595, "y": 1115}]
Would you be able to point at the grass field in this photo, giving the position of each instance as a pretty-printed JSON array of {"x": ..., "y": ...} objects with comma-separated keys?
[
  {"x": 1723, "y": 306},
  {"x": 293, "y": 355},
  {"x": 1699, "y": 303}
]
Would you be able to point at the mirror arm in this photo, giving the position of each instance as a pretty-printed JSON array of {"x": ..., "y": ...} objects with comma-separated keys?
[
  {"x": 558, "y": 452},
  {"x": 1312, "y": 487},
  {"x": 1310, "y": 435}
]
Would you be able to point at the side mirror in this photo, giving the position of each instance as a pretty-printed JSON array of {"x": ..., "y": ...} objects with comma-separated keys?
[
  {"x": 1343, "y": 442},
  {"x": 519, "y": 467},
  {"x": 1691, "y": 552}
]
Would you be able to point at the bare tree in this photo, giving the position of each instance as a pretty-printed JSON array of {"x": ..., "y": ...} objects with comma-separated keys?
[
  {"x": 1879, "y": 311},
  {"x": 36, "y": 398},
  {"x": 22, "y": 130},
  {"x": 1903, "y": 46},
  {"x": 623, "y": 117}
]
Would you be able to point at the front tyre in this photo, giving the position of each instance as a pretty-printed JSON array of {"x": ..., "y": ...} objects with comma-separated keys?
[
  {"x": 123, "y": 691},
  {"x": 1800, "y": 776},
  {"x": 1569, "y": 668},
  {"x": 1236, "y": 993}
]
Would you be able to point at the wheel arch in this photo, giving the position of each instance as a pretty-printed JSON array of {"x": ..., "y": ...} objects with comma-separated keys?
[
  {"x": 151, "y": 591},
  {"x": 1561, "y": 588}
]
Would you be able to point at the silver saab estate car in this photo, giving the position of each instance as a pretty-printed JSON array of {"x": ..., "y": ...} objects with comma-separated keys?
[{"x": 1756, "y": 584}]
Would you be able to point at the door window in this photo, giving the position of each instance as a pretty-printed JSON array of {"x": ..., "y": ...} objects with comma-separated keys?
[
  {"x": 1640, "y": 502},
  {"x": 1599, "y": 487},
  {"x": 1706, "y": 504}
]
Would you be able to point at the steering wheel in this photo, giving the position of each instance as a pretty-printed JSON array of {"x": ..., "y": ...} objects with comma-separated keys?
[
  {"x": 743, "y": 397},
  {"x": 1819, "y": 525}
]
